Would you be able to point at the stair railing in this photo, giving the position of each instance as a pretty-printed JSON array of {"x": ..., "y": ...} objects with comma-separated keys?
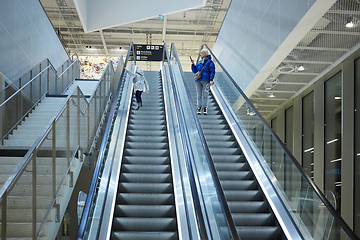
[
  {"x": 50, "y": 168},
  {"x": 281, "y": 168},
  {"x": 25, "y": 95},
  {"x": 89, "y": 226}
]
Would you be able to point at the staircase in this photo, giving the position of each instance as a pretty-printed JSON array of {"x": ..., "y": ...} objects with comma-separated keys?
[
  {"x": 19, "y": 214},
  {"x": 145, "y": 204},
  {"x": 250, "y": 211}
]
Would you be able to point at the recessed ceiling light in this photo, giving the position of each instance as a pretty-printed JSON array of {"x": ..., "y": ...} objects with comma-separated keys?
[{"x": 301, "y": 68}]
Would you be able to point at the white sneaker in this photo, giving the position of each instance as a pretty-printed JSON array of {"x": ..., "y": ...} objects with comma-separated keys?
[{"x": 198, "y": 111}]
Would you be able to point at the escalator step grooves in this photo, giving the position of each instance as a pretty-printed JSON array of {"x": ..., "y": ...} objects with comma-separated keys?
[
  {"x": 250, "y": 211},
  {"x": 145, "y": 204}
]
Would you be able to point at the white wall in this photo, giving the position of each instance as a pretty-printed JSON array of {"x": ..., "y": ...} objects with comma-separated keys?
[
  {"x": 26, "y": 38},
  {"x": 253, "y": 31}
]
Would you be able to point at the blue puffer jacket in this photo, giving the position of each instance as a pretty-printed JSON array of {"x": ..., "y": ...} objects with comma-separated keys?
[{"x": 209, "y": 69}]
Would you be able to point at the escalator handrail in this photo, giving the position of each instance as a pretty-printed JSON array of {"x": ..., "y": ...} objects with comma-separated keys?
[
  {"x": 220, "y": 192},
  {"x": 200, "y": 217},
  {"x": 319, "y": 193},
  {"x": 100, "y": 159}
]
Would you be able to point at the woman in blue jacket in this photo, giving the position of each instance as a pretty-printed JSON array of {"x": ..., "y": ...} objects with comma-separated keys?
[{"x": 205, "y": 81}]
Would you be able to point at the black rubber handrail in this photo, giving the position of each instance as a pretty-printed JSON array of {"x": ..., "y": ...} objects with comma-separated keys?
[
  {"x": 100, "y": 159},
  {"x": 220, "y": 192},
  {"x": 319, "y": 193}
]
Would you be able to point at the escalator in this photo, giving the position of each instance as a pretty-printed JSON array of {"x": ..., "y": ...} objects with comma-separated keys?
[
  {"x": 228, "y": 190},
  {"x": 145, "y": 199},
  {"x": 250, "y": 211}
]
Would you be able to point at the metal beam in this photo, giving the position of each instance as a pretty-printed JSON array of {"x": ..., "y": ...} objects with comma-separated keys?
[
  {"x": 335, "y": 32},
  {"x": 164, "y": 29},
  {"x": 323, "y": 49},
  {"x": 308, "y": 61},
  {"x": 104, "y": 43}
]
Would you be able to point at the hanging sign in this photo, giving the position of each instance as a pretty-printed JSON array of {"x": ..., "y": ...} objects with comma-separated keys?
[{"x": 148, "y": 52}]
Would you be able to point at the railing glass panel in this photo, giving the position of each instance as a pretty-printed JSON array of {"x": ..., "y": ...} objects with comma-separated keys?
[{"x": 311, "y": 211}]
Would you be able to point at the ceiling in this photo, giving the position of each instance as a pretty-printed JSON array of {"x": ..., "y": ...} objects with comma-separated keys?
[
  {"x": 188, "y": 30},
  {"x": 322, "y": 47}
]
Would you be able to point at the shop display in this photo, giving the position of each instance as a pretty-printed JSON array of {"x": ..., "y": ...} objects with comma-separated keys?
[{"x": 93, "y": 67}]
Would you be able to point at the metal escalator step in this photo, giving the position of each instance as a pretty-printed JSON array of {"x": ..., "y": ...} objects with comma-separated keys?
[
  {"x": 145, "y": 121},
  {"x": 146, "y": 133},
  {"x": 144, "y": 111},
  {"x": 244, "y": 195},
  {"x": 144, "y": 224},
  {"x": 210, "y": 138},
  {"x": 145, "y": 211},
  {"x": 212, "y": 121},
  {"x": 147, "y": 178},
  {"x": 149, "y": 118},
  {"x": 142, "y": 168},
  {"x": 145, "y": 160},
  {"x": 239, "y": 185},
  {"x": 235, "y": 175},
  {"x": 145, "y": 198},
  {"x": 146, "y": 145},
  {"x": 259, "y": 233},
  {"x": 224, "y": 151},
  {"x": 225, "y": 166},
  {"x": 149, "y": 126},
  {"x": 157, "y": 139},
  {"x": 214, "y": 126},
  {"x": 228, "y": 159},
  {"x": 152, "y": 109},
  {"x": 209, "y": 117},
  {"x": 217, "y": 132},
  {"x": 222, "y": 144},
  {"x": 144, "y": 235},
  {"x": 248, "y": 207},
  {"x": 145, "y": 187},
  {"x": 147, "y": 152},
  {"x": 253, "y": 219}
]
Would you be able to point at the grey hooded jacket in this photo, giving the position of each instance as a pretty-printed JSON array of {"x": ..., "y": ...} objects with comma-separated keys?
[{"x": 140, "y": 83}]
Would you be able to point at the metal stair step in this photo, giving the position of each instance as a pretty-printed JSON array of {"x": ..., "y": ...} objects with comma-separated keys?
[
  {"x": 132, "y": 168},
  {"x": 145, "y": 198},
  {"x": 147, "y": 211},
  {"x": 239, "y": 185},
  {"x": 259, "y": 233},
  {"x": 248, "y": 207},
  {"x": 146, "y": 160},
  {"x": 144, "y": 177},
  {"x": 244, "y": 195},
  {"x": 225, "y": 166},
  {"x": 144, "y": 224},
  {"x": 147, "y": 152},
  {"x": 126, "y": 187},
  {"x": 144, "y": 235}
]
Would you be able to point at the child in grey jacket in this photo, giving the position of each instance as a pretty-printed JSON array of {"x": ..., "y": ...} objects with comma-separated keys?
[{"x": 140, "y": 85}]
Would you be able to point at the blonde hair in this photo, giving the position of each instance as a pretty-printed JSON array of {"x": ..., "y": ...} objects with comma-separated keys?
[{"x": 205, "y": 51}]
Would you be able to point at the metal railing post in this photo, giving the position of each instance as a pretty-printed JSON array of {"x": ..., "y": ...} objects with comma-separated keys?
[
  {"x": 68, "y": 132},
  {"x": 20, "y": 110},
  {"x": 48, "y": 77},
  {"x": 54, "y": 158},
  {"x": 34, "y": 237},
  {"x": 4, "y": 215},
  {"x": 40, "y": 87},
  {"x": 31, "y": 93},
  {"x": 78, "y": 114}
]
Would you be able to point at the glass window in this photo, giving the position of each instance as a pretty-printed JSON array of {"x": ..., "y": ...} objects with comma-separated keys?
[
  {"x": 357, "y": 148},
  {"x": 289, "y": 130},
  {"x": 308, "y": 134},
  {"x": 332, "y": 142},
  {"x": 288, "y": 168}
]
